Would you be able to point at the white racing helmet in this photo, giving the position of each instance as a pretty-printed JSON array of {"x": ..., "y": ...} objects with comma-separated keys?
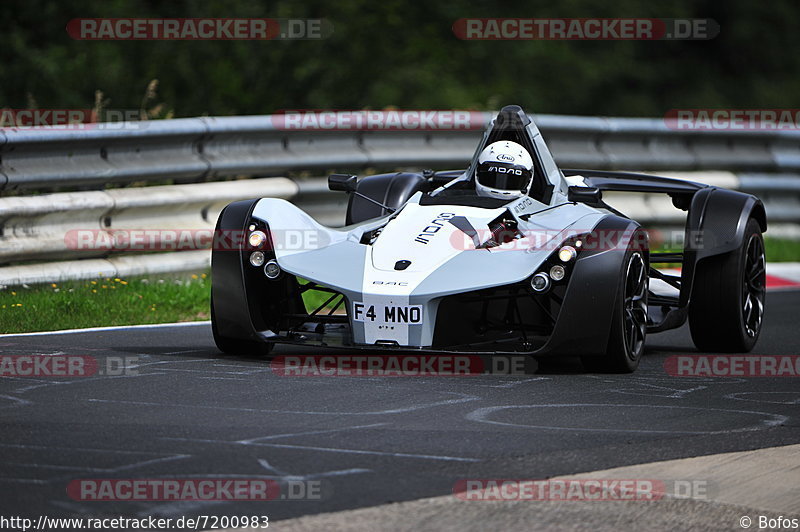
[{"x": 505, "y": 171}]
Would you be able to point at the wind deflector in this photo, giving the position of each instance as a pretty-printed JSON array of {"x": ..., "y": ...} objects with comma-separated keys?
[
  {"x": 512, "y": 124},
  {"x": 511, "y": 120},
  {"x": 509, "y": 124}
]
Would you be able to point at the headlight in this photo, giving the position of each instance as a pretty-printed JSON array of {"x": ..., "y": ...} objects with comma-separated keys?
[
  {"x": 257, "y": 258},
  {"x": 567, "y": 253},
  {"x": 557, "y": 272},
  {"x": 272, "y": 270},
  {"x": 256, "y": 238},
  {"x": 540, "y": 282}
]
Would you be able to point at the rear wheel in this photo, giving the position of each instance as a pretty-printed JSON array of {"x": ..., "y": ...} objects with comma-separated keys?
[
  {"x": 629, "y": 322},
  {"x": 728, "y": 295}
]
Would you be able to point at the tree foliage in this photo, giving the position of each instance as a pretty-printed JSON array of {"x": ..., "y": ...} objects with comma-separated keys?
[{"x": 403, "y": 53}]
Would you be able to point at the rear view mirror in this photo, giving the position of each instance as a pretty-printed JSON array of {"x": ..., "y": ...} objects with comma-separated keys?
[
  {"x": 342, "y": 182},
  {"x": 588, "y": 195}
]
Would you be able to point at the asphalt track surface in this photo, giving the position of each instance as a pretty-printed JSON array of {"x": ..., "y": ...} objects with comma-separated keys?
[{"x": 190, "y": 412}]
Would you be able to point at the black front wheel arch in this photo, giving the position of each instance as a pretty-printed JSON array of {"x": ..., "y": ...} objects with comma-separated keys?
[{"x": 629, "y": 317}]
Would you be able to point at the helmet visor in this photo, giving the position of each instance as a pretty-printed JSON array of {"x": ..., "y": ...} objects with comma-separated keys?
[{"x": 504, "y": 176}]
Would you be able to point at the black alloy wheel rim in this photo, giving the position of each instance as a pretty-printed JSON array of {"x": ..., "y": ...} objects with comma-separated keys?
[
  {"x": 754, "y": 286},
  {"x": 635, "y": 305}
]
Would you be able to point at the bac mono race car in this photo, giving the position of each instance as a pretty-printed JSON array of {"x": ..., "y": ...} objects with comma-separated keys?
[{"x": 511, "y": 256}]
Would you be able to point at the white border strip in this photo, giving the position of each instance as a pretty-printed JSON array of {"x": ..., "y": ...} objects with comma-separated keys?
[{"x": 113, "y": 328}]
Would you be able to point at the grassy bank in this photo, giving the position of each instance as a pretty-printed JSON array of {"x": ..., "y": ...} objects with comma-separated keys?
[
  {"x": 782, "y": 249},
  {"x": 105, "y": 302},
  {"x": 776, "y": 249}
]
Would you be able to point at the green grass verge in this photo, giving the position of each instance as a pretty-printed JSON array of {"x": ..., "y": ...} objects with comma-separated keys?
[
  {"x": 776, "y": 249},
  {"x": 106, "y": 302},
  {"x": 782, "y": 249}
]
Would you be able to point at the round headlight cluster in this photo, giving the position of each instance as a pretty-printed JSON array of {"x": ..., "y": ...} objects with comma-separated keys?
[
  {"x": 567, "y": 253},
  {"x": 540, "y": 282},
  {"x": 272, "y": 270},
  {"x": 257, "y": 258},
  {"x": 557, "y": 272},
  {"x": 256, "y": 238}
]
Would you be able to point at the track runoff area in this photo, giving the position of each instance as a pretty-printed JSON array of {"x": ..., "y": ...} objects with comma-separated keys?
[{"x": 154, "y": 423}]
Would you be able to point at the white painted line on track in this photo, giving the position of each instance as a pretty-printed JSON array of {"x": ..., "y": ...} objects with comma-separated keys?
[{"x": 112, "y": 328}]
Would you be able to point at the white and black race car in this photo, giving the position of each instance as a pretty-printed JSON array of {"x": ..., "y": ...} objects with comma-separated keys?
[{"x": 512, "y": 255}]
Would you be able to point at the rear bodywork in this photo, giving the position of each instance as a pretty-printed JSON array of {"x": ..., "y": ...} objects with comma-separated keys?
[{"x": 434, "y": 275}]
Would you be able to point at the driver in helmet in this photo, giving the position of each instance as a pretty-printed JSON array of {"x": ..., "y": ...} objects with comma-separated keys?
[{"x": 505, "y": 171}]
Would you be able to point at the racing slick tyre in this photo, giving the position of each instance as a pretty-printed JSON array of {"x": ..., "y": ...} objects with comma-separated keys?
[
  {"x": 235, "y": 346},
  {"x": 727, "y": 304},
  {"x": 629, "y": 320}
]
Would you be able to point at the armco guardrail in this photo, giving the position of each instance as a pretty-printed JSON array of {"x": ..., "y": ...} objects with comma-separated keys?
[
  {"x": 208, "y": 148},
  {"x": 78, "y": 233},
  {"x": 48, "y": 226},
  {"x": 195, "y": 151}
]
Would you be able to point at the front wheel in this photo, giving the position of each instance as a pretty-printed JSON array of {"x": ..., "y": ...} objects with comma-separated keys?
[
  {"x": 235, "y": 346},
  {"x": 728, "y": 295},
  {"x": 629, "y": 321}
]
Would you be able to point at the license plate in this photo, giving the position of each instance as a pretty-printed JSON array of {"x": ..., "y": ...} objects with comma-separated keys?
[{"x": 401, "y": 314}]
